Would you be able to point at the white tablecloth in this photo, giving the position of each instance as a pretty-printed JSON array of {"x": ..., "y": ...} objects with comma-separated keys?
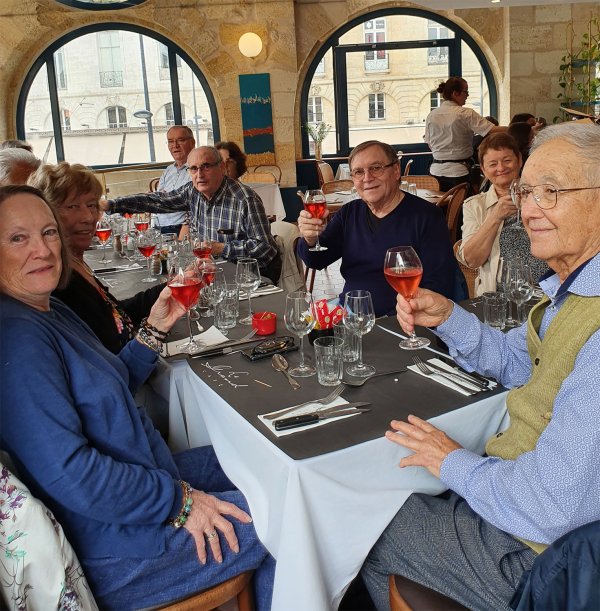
[
  {"x": 319, "y": 517},
  {"x": 271, "y": 198},
  {"x": 343, "y": 172}
]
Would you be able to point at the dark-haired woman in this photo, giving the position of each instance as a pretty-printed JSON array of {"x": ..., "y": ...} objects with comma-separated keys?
[
  {"x": 449, "y": 132},
  {"x": 234, "y": 158}
]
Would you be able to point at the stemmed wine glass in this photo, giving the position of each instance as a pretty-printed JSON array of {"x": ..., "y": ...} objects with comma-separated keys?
[
  {"x": 359, "y": 318},
  {"x": 185, "y": 281},
  {"x": 403, "y": 270},
  {"x": 201, "y": 248},
  {"x": 146, "y": 244},
  {"x": 502, "y": 287},
  {"x": 520, "y": 286},
  {"x": 104, "y": 231},
  {"x": 516, "y": 200},
  {"x": 247, "y": 277},
  {"x": 141, "y": 222},
  {"x": 213, "y": 285},
  {"x": 300, "y": 319},
  {"x": 315, "y": 203}
]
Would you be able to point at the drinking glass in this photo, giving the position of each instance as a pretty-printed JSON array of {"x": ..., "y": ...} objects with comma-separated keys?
[
  {"x": 146, "y": 244},
  {"x": 104, "y": 231},
  {"x": 516, "y": 200},
  {"x": 502, "y": 287},
  {"x": 403, "y": 271},
  {"x": 316, "y": 204},
  {"x": 247, "y": 277},
  {"x": 226, "y": 310},
  {"x": 520, "y": 286},
  {"x": 359, "y": 318},
  {"x": 201, "y": 248},
  {"x": 299, "y": 318},
  {"x": 213, "y": 285},
  {"x": 185, "y": 281},
  {"x": 141, "y": 221}
]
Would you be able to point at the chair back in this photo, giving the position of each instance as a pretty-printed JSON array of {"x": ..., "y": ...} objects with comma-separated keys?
[
  {"x": 292, "y": 270},
  {"x": 470, "y": 274},
  {"x": 272, "y": 169},
  {"x": 325, "y": 172},
  {"x": 336, "y": 185},
  {"x": 453, "y": 200},
  {"x": 252, "y": 177},
  {"x": 423, "y": 181},
  {"x": 407, "y": 167},
  {"x": 153, "y": 184},
  {"x": 407, "y": 595}
]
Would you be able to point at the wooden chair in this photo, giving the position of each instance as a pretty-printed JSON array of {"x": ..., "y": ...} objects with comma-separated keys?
[
  {"x": 453, "y": 200},
  {"x": 469, "y": 273},
  {"x": 153, "y": 185},
  {"x": 336, "y": 185},
  {"x": 407, "y": 595},
  {"x": 325, "y": 172},
  {"x": 272, "y": 169},
  {"x": 407, "y": 167},
  {"x": 264, "y": 177},
  {"x": 238, "y": 587},
  {"x": 424, "y": 181}
]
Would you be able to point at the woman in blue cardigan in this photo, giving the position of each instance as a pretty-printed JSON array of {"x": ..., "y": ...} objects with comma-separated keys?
[{"x": 144, "y": 532}]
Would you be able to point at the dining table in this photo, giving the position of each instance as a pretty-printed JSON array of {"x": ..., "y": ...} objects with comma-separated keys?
[
  {"x": 320, "y": 496},
  {"x": 270, "y": 194}
]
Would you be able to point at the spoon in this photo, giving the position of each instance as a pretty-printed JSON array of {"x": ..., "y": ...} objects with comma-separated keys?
[
  {"x": 361, "y": 381},
  {"x": 280, "y": 364}
]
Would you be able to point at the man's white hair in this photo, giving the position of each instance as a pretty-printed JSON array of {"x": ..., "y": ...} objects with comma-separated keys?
[{"x": 12, "y": 158}]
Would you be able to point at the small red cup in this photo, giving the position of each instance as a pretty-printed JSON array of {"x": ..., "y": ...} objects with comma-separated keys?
[{"x": 265, "y": 323}]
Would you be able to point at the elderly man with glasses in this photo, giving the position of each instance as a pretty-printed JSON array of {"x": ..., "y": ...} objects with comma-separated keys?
[
  {"x": 220, "y": 209},
  {"x": 361, "y": 231},
  {"x": 539, "y": 479}
]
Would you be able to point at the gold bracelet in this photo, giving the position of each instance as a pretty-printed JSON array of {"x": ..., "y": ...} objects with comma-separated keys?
[
  {"x": 147, "y": 339},
  {"x": 186, "y": 506}
]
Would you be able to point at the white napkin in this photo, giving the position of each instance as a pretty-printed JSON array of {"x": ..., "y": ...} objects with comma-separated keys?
[
  {"x": 210, "y": 337},
  {"x": 307, "y": 409},
  {"x": 265, "y": 290},
  {"x": 445, "y": 381}
]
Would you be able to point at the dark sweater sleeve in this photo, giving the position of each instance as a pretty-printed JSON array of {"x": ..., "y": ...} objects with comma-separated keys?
[{"x": 139, "y": 306}]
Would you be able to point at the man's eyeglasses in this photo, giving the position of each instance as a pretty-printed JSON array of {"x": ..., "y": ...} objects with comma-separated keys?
[
  {"x": 374, "y": 170},
  {"x": 545, "y": 196},
  {"x": 177, "y": 141},
  {"x": 203, "y": 167}
]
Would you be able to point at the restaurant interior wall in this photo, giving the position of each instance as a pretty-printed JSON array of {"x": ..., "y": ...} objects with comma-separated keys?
[{"x": 522, "y": 45}]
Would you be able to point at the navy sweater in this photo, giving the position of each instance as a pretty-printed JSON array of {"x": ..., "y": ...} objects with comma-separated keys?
[
  {"x": 414, "y": 222},
  {"x": 69, "y": 421}
]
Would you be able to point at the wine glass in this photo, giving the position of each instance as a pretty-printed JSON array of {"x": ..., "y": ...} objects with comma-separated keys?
[
  {"x": 213, "y": 285},
  {"x": 146, "y": 244},
  {"x": 200, "y": 247},
  {"x": 359, "y": 318},
  {"x": 316, "y": 204},
  {"x": 299, "y": 318},
  {"x": 247, "y": 277},
  {"x": 104, "y": 231},
  {"x": 403, "y": 271},
  {"x": 141, "y": 222},
  {"x": 502, "y": 287},
  {"x": 185, "y": 282},
  {"x": 520, "y": 286},
  {"x": 516, "y": 200}
]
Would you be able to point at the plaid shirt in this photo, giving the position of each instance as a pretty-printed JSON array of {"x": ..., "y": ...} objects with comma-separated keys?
[{"x": 234, "y": 206}]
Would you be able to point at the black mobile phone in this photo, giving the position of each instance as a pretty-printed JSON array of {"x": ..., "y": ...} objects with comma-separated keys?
[{"x": 274, "y": 345}]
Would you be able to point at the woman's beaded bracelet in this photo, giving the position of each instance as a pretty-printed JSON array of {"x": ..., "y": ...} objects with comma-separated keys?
[
  {"x": 160, "y": 335},
  {"x": 147, "y": 339},
  {"x": 186, "y": 507}
]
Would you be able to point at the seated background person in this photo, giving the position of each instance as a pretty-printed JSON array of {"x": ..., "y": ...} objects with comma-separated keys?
[
  {"x": 74, "y": 193},
  {"x": 234, "y": 159},
  {"x": 362, "y": 230},
  {"x": 488, "y": 229},
  {"x": 539, "y": 479},
  {"x": 71, "y": 426},
  {"x": 214, "y": 201}
]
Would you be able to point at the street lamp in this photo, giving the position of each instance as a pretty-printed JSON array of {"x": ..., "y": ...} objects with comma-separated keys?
[{"x": 147, "y": 115}]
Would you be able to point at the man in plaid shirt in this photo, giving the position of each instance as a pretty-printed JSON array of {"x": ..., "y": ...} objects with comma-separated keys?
[{"x": 215, "y": 202}]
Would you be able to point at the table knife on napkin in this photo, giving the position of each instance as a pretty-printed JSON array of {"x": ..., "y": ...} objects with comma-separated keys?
[
  {"x": 470, "y": 375},
  {"x": 313, "y": 417},
  {"x": 218, "y": 350}
]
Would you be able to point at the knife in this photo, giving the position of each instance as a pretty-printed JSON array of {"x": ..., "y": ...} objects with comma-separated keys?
[
  {"x": 313, "y": 417},
  {"x": 466, "y": 374},
  {"x": 220, "y": 350}
]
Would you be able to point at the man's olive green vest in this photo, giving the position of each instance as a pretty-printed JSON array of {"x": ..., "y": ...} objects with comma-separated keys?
[{"x": 530, "y": 406}]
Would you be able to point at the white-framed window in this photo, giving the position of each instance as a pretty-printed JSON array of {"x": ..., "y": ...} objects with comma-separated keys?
[
  {"x": 116, "y": 117},
  {"x": 437, "y": 55},
  {"x": 320, "y": 69},
  {"x": 60, "y": 68},
  {"x": 170, "y": 116},
  {"x": 110, "y": 59},
  {"x": 435, "y": 99},
  {"x": 375, "y": 31},
  {"x": 376, "y": 106},
  {"x": 65, "y": 119},
  {"x": 315, "y": 109},
  {"x": 163, "y": 62}
]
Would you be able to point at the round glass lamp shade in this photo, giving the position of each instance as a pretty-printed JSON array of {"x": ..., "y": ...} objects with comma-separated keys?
[{"x": 250, "y": 44}]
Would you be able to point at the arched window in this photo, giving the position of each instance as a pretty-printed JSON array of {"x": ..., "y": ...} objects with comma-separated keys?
[
  {"x": 376, "y": 78},
  {"x": 99, "y": 5},
  {"x": 113, "y": 90}
]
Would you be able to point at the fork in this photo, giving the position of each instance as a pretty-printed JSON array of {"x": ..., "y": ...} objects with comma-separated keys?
[
  {"x": 332, "y": 396},
  {"x": 426, "y": 370}
]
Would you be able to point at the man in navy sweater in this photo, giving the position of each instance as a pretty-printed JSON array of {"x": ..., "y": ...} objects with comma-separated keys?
[{"x": 362, "y": 230}]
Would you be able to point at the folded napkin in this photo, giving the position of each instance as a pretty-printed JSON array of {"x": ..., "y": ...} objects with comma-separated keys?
[
  {"x": 307, "y": 409},
  {"x": 210, "y": 337},
  {"x": 445, "y": 381},
  {"x": 265, "y": 290}
]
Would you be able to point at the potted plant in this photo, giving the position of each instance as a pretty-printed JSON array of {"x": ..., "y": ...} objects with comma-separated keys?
[{"x": 318, "y": 132}]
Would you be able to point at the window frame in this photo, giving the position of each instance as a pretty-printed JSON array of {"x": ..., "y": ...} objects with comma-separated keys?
[
  {"x": 108, "y": 6},
  {"x": 339, "y": 53},
  {"x": 47, "y": 58}
]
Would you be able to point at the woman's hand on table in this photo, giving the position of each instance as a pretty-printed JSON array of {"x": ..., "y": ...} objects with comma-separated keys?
[
  {"x": 206, "y": 521},
  {"x": 427, "y": 309},
  {"x": 310, "y": 227},
  {"x": 429, "y": 444},
  {"x": 166, "y": 311}
]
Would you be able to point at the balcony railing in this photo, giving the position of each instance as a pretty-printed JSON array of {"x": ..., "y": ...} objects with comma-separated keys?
[{"x": 111, "y": 79}]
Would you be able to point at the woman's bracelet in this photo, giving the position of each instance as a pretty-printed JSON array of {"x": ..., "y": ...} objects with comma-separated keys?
[
  {"x": 161, "y": 336},
  {"x": 186, "y": 507},
  {"x": 147, "y": 339}
]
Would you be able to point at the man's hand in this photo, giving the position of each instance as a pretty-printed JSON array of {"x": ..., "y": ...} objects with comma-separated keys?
[
  {"x": 166, "y": 311},
  {"x": 206, "y": 522},
  {"x": 427, "y": 309},
  {"x": 429, "y": 444},
  {"x": 217, "y": 248},
  {"x": 310, "y": 227}
]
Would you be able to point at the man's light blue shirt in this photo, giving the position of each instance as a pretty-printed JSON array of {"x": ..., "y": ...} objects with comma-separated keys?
[
  {"x": 172, "y": 178},
  {"x": 547, "y": 492}
]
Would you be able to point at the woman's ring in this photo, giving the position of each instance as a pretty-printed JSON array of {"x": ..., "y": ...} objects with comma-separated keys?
[{"x": 211, "y": 535}]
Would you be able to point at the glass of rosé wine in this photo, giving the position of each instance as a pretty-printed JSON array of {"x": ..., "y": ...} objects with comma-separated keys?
[
  {"x": 146, "y": 244},
  {"x": 315, "y": 203},
  {"x": 185, "y": 282},
  {"x": 103, "y": 232},
  {"x": 200, "y": 247},
  {"x": 403, "y": 270}
]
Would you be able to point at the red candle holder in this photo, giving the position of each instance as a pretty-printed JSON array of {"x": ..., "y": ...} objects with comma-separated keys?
[{"x": 265, "y": 323}]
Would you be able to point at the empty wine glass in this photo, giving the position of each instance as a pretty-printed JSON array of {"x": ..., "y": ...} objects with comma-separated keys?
[
  {"x": 104, "y": 231},
  {"x": 516, "y": 200},
  {"x": 315, "y": 203},
  {"x": 520, "y": 286},
  {"x": 359, "y": 318},
  {"x": 299, "y": 318},
  {"x": 403, "y": 271},
  {"x": 213, "y": 285},
  {"x": 146, "y": 244},
  {"x": 247, "y": 277},
  {"x": 502, "y": 287}
]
